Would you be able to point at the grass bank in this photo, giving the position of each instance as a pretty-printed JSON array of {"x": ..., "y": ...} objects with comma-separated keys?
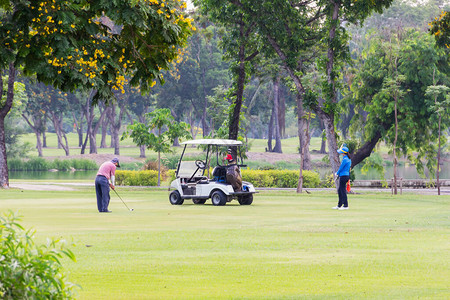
[{"x": 284, "y": 246}]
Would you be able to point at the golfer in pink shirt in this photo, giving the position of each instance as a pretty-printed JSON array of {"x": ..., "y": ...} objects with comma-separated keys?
[{"x": 106, "y": 178}]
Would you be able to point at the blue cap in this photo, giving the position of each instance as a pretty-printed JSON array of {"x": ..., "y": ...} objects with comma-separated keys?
[{"x": 343, "y": 150}]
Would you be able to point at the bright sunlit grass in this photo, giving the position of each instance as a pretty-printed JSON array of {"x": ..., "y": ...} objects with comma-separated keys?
[{"x": 284, "y": 246}]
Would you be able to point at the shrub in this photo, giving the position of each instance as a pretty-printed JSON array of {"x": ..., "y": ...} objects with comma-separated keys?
[
  {"x": 171, "y": 175},
  {"x": 36, "y": 164},
  {"x": 137, "y": 178},
  {"x": 131, "y": 166},
  {"x": 170, "y": 162},
  {"x": 328, "y": 181},
  {"x": 62, "y": 165},
  {"x": 280, "y": 178},
  {"x": 84, "y": 164},
  {"x": 15, "y": 164},
  {"x": 153, "y": 165},
  {"x": 258, "y": 178},
  {"x": 30, "y": 271}
]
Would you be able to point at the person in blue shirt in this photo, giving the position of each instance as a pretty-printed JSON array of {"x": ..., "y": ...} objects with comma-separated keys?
[{"x": 344, "y": 176}]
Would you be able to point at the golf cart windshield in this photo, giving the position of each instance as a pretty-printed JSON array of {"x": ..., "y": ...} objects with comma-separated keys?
[{"x": 188, "y": 169}]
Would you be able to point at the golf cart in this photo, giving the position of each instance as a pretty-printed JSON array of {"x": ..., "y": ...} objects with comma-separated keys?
[{"x": 191, "y": 182}]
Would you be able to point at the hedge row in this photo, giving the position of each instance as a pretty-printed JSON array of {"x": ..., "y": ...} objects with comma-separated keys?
[
  {"x": 280, "y": 178},
  {"x": 259, "y": 178},
  {"x": 137, "y": 178}
]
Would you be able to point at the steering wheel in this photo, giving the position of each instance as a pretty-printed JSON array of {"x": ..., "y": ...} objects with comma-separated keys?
[{"x": 200, "y": 164}]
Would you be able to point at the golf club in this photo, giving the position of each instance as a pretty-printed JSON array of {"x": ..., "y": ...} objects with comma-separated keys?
[{"x": 130, "y": 209}]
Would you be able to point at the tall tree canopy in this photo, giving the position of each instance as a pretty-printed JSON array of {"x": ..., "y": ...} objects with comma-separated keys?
[
  {"x": 420, "y": 64},
  {"x": 88, "y": 44}
]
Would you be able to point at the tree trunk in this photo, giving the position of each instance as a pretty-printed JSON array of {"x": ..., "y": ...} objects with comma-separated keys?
[
  {"x": 395, "y": 145},
  {"x": 78, "y": 127},
  {"x": 57, "y": 123},
  {"x": 323, "y": 143},
  {"x": 142, "y": 147},
  {"x": 270, "y": 133},
  {"x": 328, "y": 121},
  {"x": 302, "y": 126},
  {"x": 282, "y": 113},
  {"x": 328, "y": 117},
  {"x": 300, "y": 92},
  {"x": 80, "y": 134},
  {"x": 276, "y": 90},
  {"x": 4, "y": 176},
  {"x": 300, "y": 178},
  {"x": 159, "y": 161},
  {"x": 94, "y": 130},
  {"x": 37, "y": 133},
  {"x": 115, "y": 125},
  {"x": 234, "y": 122},
  {"x": 44, "y": 139},
  {"x": 4, "y": 110},
  {"x": 205, "y": 106},
  {"x": 89, "y": 114},
  {"x": 93, "y": 142},
  {"x": 176, "y": 142},
  {"x": 365, "y": 150},
  {"x": 38, "y": 143},
  {"x": 104, "y": 133},
  {"x": 159, "y": 168},
  {"x": 439, "y": 156},
  {"x": 331, "y": 53}
]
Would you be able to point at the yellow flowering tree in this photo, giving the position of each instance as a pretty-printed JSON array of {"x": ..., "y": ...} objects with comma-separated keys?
[
  {"x": 88, "y": 44},
  {"x": 440, "y": 28}
]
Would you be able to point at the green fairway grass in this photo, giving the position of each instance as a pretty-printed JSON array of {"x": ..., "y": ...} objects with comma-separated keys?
[{"x": 284, "y": 246}]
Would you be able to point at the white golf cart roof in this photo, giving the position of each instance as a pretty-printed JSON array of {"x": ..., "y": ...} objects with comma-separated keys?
[{"x": 220, "y": 142}]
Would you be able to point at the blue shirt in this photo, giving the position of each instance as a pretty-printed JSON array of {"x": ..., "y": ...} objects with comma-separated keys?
[{"x": 344, "y": 169}]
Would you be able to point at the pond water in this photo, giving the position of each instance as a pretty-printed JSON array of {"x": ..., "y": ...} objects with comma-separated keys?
[{"x": 404, "y": 171}]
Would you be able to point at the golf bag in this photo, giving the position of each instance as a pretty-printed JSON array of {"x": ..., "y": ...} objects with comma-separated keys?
[{"x": 234, "y": 177}]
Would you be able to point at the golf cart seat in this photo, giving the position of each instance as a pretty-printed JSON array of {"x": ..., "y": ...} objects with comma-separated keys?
[{"x": 220, "y": 174}]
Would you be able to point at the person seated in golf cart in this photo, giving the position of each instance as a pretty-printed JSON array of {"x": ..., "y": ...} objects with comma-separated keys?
[
  {"x": 233, "y": 174},
  {"x": 229, "y": 173}
]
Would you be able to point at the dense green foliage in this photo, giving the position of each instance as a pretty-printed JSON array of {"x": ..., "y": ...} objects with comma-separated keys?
[
  {"x": 29, "y": 270},
  {"x": 85, "y": 44},
  {"x": 419, "y": 65},
  {"x": 167, "y": 131}
]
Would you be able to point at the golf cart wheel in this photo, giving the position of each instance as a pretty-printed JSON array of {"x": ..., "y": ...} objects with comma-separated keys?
[
  {"x": 175, "y": 198},
  {"x": 218, "y": 198},
  {"x": 199, "y": 201},
  {"x": 246, "y": 199}
]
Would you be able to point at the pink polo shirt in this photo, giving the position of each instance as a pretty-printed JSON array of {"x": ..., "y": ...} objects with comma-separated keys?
[{"x": 107, "y": 169}]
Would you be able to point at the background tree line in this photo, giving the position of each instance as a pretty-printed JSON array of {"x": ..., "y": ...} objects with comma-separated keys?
[{"x": 251, "y": 68}]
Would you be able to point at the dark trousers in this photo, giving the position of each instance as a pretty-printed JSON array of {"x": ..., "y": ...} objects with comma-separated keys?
[
  {"x": 102, "y": 191},
  {"x": 342, "y": 191}
]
